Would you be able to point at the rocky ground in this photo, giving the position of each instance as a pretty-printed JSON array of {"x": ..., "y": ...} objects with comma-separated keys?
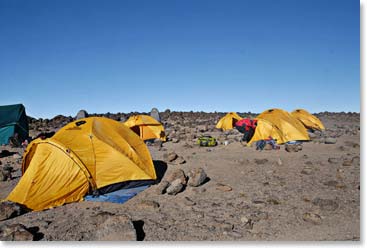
[{"x": 226, "y": 192}]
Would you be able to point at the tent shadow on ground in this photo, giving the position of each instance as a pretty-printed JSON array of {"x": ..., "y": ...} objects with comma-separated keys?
[
  {"x": 140, "y": 234},
  {"x": 160, "y": 169},
  {"x": 6, "y": 153}
]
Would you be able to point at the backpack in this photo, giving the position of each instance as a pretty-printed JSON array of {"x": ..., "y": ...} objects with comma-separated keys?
[
  {"x": 260, "y": 145},
  {"x": 206, "y": 141}
]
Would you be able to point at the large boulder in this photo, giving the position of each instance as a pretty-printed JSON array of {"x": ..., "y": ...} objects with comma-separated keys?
[
  {"x": 81, "y": 114},
  {"x": 155, "y": 114}
]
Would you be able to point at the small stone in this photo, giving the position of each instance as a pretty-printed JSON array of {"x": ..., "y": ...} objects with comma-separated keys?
[
  {"x": 176, "y": 174},
  {"x": 347, "y": 163},
  {"x": 258, "y": 201},
  {"x": 175, "y": 187},
  {"x": 261, "y": 161},
  {"x": 342, "y": 148},
  {"x": 180, "y": 160},
  {"x": 274, "y": 201},
  {"x": 175, "y": 140},
  {"x": 196, "y": 177},
  {"x": 325, "y": 204},
  {"x": 10, "y": 210},
  {"x": 330, "y": 141},
  {"x": 170, "y": 156},
  {"x": 331, "y": 183},
  {"x": 351, "y": 144},
  {"x": 116, "y": 228},
  {"x": 147, "y": 205},
  {"x": 161, "y": 187},
  {"x": 244, "y": 219},
  {"x": 198, "y": 190},
  {"x": 234, "y": 234},
  {"x": 189, "y": 202},
  {"x": 312, "y": 218},
  {"x": 340, "y": 186},
  {"x": 307, "y": 171},
  {"x": 222, "y": 187},
  {"x": 15, "y": 232},
  {"x": 333, "y": 160},
  {"x": 202, "y": 128}
]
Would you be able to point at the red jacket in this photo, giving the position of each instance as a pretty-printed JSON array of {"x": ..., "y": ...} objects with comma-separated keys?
[{"x": 247, "y": 123}]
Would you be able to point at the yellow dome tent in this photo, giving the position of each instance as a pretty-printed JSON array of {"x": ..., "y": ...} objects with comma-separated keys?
[
  {"x": 308, "y": 120},
  {"x": 90, "y": 154},
  {"x": 280, "y": 125},
  {"x": 228, "y": 121},
  {"x": 146, "y": 127}
]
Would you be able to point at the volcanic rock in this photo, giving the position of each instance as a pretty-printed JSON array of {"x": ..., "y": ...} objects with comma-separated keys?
[
  {"x": 175, "y": 187},
  {"x": 116, "y": 228},
  {"x": 147, "y": 205},
  {"x": 330, "y": 141},
  {"x": 176, "y": 174},
  {"x": 312, "y": 218},
  {"x": 15, "y": 232},
  {"x": 196, "y": 177},
  {"x": 10, "y": 210},
  {"x": 325, "y": 204}
]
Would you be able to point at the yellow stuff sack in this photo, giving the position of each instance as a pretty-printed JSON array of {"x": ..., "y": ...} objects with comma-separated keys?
[{"x": 206, "y": 141}]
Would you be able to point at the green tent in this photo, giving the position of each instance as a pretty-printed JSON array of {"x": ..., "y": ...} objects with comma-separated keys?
[{"x": 13, "y": 120}]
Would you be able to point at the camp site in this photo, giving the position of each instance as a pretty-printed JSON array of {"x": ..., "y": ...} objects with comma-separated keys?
[
  {"x": 181, "y": 122},
  {"x": 189, "y": 176}
]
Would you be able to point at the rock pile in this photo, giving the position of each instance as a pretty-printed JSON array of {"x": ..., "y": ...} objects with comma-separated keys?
[{"x": 176, "y": 181}]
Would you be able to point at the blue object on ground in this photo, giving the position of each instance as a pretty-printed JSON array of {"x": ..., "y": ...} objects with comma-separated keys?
[
  {"x": 294, "y": 142},
  {"x": 118, "y": 196}
]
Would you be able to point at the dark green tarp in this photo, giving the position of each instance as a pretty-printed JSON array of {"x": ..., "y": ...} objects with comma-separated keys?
[{"x": 13, "y": 119}]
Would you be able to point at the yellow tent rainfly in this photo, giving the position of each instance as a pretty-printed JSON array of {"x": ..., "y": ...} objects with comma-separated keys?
[
  {"x": 228, "y": 121},
  {"x": 86, "y": 155},
  {"x": 146, "y": 127},
  {"x": 308, "y": 120},
  {"x": 280, "y": 125}
]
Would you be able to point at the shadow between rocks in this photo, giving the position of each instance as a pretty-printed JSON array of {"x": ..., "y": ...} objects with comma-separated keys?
[
  {"x": 140, "y": 234},
  {"x": 160, "y": 169},
  {"x": 37, "y": 236},
  {"x": 6, "y": 153}
]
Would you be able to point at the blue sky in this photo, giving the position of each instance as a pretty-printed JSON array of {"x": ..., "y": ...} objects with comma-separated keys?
[{"x": 57, "y": 57}]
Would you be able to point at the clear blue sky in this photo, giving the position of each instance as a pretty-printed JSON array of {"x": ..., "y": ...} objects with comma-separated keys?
[{"x": 57, "y": 57}]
